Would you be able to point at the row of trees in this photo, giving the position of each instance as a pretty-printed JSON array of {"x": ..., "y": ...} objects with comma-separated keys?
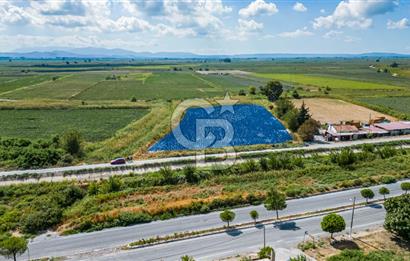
[
  {"x": 275, "y": 200},
  {"x": 331, "y": 223}
]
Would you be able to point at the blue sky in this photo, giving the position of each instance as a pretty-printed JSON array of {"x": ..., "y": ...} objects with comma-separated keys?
[{"x": 208, "y": 26}]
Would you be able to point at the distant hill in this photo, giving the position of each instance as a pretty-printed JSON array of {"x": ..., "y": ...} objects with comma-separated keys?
[{"x": 92, "y": 52}]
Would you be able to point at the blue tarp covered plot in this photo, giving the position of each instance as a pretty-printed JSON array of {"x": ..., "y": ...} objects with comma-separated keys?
[{"x": 222, "y": 126}]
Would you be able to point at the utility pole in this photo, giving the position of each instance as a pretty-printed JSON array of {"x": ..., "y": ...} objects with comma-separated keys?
[
  {"x": 264, "y": 236},
  {"x": 351, "y": 222}
]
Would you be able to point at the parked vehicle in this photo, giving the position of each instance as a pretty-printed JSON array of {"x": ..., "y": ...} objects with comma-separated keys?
[{"x": 118, "y": 161}]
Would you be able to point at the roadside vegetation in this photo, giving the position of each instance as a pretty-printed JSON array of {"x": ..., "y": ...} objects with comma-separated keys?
[{"x": 71, "y": 207}]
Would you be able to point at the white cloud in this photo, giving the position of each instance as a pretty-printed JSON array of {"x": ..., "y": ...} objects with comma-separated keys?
[
  {"x": 332, "y": 34},
  {"x": 249, "y": 25},
  {"x": 322, "y": 11},
  {"x": 296, "y": 34},
  {"x": 355, "y": 14},
  {"x": 401, "y": 24},
  {"x": 13, "y": 15},
  {"x": 299, "y": 7},
  {"x": 258, "y": 7}
]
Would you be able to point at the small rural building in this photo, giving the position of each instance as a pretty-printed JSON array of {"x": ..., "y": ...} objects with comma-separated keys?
[
  {"x": 395, "y": 128},
  {"x": 372, "y": 131},
  {"x": 342, "y": 132}
]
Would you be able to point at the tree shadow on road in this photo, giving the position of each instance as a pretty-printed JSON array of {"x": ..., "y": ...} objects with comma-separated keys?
[
  {"x": 259, "y": 226},
  {"x": 378, "y": 206},
  {"x": 287, "y": 226},
  {"x": 233, "y": 232}
]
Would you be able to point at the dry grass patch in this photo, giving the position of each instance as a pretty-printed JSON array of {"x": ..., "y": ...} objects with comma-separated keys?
[
  {"x": 334, "y": 111},
  {"x": 374, "y": 240}
]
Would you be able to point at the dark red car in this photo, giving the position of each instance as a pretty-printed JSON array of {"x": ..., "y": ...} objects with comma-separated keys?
[{"x": 118, "y": 161}]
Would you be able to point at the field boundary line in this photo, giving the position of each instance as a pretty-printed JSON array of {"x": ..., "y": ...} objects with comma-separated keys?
[{"x": 209, "y": 83}]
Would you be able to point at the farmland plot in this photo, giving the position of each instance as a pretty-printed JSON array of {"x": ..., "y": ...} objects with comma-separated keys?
[
  {"x": 327, "y": 82},
  {"x": 163, "y": 85},
  {"x": 94, "y": 124},
  {"x": 65, "y": 87},
  {"x": 12, "y": 83},
  {"x": 335, "y": 111},
  {"x": 399, "y": 104}
]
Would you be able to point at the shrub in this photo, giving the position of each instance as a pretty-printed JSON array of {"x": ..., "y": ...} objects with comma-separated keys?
[
  {"x": 298, "y": 258},
  {"x": 387, "y": 179},
  {"x": 242, "y": 93},
  {"x": 265, "y": 252},
  {"x": 190, "y": 174},
  {"x": 397, "y": 218},
  {"x": 263, "y": 163},
  {"x": 71, "y": 142},
  {"x": 386, "y": 152}
]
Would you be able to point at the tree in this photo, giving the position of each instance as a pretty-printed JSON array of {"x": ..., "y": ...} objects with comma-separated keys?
[
  {"x": 291, "y": 119},
  {"x": 71, "y": 141},
  {"x": 275, "y": 201},
  {"x": 308, "y": 130},
  {"x": 273, "y": 90},
  {"x": 367, "y": 194},
  {"x": 405, "y": 186},
  {"x": 242, "y": 93},
  {"x": 303, "y": 114},
  {"x": 283, "y": 106},
  {"x": 295, "y": 94},
  {"x": 254, "y": 215},
  {"x": 333, "y": 223},
  {"x": 252, "y": 90},
  {"x": 384, "y": 191},
  {"x": 397, "y": 218},
  {"x": 227, "y": 216},
  {"x": 13, "y": 246}
]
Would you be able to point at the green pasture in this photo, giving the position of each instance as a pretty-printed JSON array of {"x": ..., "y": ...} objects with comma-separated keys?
[
  {"x": 93, "y": 124},
  {"x": 326, "y": 82},
  {"x": 399, "y": 104}
]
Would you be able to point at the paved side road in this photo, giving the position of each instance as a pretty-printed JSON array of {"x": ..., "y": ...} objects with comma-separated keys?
[
  {"x": 283, "y": 235},
  {"x": 172, "y": 160},
  {"x": 110, "y": 238}
]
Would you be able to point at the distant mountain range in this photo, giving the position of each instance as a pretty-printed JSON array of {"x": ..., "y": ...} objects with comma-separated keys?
[{"x": 93, "y": 53}]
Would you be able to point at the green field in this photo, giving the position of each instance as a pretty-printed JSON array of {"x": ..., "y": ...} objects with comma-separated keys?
[
  {"x": 400, "y": 104},
  {"x": 327, "y": 82},
  {"x": 93, "y": 124},
  {"x": 65, "y": 87},
  {"x": 164, "y": 85},
  {"x": 12, "y": 83}
]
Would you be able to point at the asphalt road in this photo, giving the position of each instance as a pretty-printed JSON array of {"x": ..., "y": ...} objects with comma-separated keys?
[
  {"x": 172, "y": 160},
  {"x": 110, "y": 238},
  {"x": 282, "y": 235}
]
